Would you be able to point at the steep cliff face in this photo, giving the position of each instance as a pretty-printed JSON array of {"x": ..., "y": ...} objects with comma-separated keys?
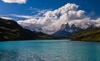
[{"x": 66, "y": 30}]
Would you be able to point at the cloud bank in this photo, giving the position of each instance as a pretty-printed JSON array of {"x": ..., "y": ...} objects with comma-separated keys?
[
  {"x": 15, "y": 1},
  {"x": 7, "y": 18},
  {"x": 21, "y": 16},
  {"x": 51, "y": 21}
]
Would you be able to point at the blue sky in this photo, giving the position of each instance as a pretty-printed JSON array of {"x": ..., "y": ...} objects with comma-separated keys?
[
  {"x": 49, "y": 15},
  {"x": 31, "y": 6}
]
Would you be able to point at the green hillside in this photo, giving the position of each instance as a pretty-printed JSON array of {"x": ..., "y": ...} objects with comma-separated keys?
[
  {"x": 90, "y": 34},
  {"x": 10, "y": 30}
]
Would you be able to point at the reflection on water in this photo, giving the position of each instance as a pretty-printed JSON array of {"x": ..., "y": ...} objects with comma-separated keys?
[{"x": 46, "y": 50}]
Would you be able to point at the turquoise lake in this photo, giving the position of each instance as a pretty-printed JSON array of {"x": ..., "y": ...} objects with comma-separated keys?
[{"x": 49, "y": 50}]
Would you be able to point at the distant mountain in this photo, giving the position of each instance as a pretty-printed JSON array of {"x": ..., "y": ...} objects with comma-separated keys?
[
  {"x": 10, "y": 30},
  {"x": 37, "y": 28},
  {"x": 33, "y": 27},
  {"x": 66, "y": 30},
  {"x": 90, "y": 34}
]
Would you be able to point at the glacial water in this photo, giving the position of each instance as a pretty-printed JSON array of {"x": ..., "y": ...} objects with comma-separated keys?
[{"x": 49, "y": 50}]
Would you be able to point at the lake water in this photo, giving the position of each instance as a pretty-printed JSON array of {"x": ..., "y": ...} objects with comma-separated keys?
[{"x": 49, "y": 50}]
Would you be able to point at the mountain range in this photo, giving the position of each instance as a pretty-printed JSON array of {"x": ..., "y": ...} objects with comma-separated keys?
[
  {"x": 11, "y": 30},
  {"x": 66, "y": 30}
]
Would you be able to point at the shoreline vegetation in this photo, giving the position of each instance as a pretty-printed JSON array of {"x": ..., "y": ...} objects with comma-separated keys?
[{"x": 90, "y": 35}]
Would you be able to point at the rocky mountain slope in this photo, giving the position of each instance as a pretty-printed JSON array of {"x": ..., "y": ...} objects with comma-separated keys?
[{"x": 66, "y": 30}]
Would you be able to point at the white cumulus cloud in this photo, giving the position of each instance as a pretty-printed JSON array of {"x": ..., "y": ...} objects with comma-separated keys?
[
  {"x": 51, "y": 21},
  {"x": 15, "y": 1}
]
